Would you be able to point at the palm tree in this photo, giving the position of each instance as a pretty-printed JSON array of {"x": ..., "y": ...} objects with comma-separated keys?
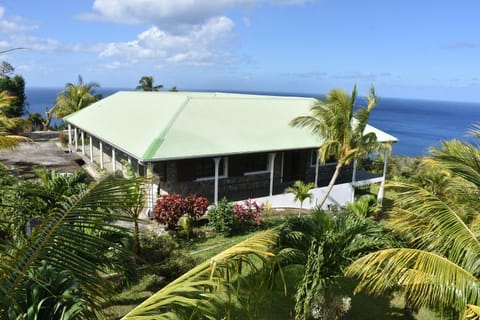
[
  {"x": 8, "y": 140},
  {"x": 146, "y": 84},
  {"x": 301, "y": 191},
  {"x": 69, "y": 239},
  {"x": 137, "y": 201},
  {"x": 204, "y": 289},
  {"x": 341, "y": 130},
  {"x": 75, "y": 97},
  {"x": 440, "y": 267},
  {"x": 325, "y": 243}
]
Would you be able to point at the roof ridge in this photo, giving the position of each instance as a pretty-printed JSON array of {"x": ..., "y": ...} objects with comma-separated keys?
[{"x": 157, "y": 141}]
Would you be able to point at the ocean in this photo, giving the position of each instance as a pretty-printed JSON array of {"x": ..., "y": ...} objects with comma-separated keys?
[{"x": 418, "y": 124}]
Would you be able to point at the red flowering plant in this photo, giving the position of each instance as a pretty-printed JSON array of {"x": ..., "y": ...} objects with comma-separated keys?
[
  {"x": 248, "y": 213},
  {"x": 195, "y": 206},
  {"x": 169, "y": 209}
]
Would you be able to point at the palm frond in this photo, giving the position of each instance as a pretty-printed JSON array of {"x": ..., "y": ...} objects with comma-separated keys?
[
  {"x": 436, "y": 280},
  {"x": 474, "y": 131},
  {"x": 472, "y": 312},
  {"x": 67, "y": 240},
  {"x": 427, "y": 216},
  {"x": 196, "y": 290},
  {"x": 461, "y": 158}
]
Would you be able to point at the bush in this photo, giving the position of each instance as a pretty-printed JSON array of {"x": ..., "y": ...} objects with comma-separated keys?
[
  {"x": 222, "y": 217},
  {"x": 231, "y": 219},
  {"x": 170, "y": 208},
  {"x": 195, "y": 206},
  {"x": 248, "y": 214}
]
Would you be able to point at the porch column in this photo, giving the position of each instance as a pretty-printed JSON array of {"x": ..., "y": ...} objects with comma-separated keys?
[
  {"x": 101, "y": 154},
  {"x": 151, "y": 189},
  {"x": 69, "y": 137},
  {"x": 91, "y": 148},
  {"x": 354, "y": 176},
  {"x": 316, "y": 173},
  {"x": 271, "y": 157},
  {"x": 215, "y": 191},
  {"x": 75, "y": 135},
  {"x": 114, "y": 164},
  {"x": 82, "y": 136},
  {"x": 382, "y": 184}
]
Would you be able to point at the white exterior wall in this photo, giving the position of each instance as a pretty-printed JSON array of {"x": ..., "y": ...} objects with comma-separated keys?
[{"x": 340, "y": 195}]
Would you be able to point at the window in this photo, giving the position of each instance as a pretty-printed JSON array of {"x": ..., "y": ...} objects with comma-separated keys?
[
  {"x": 255, "y": 163},
  {"x": 205, "y": 168}
]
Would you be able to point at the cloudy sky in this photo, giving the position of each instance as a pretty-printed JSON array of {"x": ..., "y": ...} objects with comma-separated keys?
[{"x": 406, "y": 48}]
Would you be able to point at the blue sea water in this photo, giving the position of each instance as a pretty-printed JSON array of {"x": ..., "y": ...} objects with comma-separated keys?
[{"x": 418, "y": 124}]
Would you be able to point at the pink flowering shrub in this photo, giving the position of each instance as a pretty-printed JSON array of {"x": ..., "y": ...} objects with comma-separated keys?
[{"x": 248, "y": 213}]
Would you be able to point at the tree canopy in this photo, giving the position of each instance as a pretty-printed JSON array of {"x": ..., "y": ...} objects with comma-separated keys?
[{"x": 74, "y": 97}]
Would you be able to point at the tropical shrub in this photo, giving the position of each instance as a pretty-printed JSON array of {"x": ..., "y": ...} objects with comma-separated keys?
[
  {"x": 195, "y": 206},
  {"x": 231, "y": 219},
  {"x": 50, "y": 294},
  {"x": 221, "y": 216},
  {"x": 247, "y": 214},
  {"x": 169, "y": 209}
]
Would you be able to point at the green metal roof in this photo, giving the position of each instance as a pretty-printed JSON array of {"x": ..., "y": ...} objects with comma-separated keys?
[{"x": 174, "y": 125}]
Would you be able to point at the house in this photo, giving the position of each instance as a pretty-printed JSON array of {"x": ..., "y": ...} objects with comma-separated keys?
[{"x": 212, "y": 144}]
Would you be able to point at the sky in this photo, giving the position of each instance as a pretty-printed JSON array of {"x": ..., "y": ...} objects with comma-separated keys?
[{"x": 405, "y": 48}]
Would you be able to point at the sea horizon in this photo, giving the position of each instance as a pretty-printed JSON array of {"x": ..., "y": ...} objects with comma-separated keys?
[{"x": 418, "y": 123}]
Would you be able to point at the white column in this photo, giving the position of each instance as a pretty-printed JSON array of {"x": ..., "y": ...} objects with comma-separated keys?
[
  {"x": 354, "y": 176},
  {"x": 114, "y": 161},
  {"x": 215, "y": 191},
  {"x": 69, "y": 137},
  {"x": 82, "y": 136},
  {"x": 91, "y": 148},
  {"x": 101, "y": 155},
  {"x": 151, "y": 196},
  {"x": 382, "y": 184},
  {"x": 316, "y": 173},
  {"x": 271, "y": 157},
  {"x": 75, "y": 134}
]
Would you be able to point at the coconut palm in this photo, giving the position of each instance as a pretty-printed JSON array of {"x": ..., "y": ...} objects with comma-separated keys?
[
  {"x": 301, "y": 191},
  {"x": 8, "y": 140},
  {"x": 440, "y": 267},
  {"x": 69, "y": 239},
  {"x": 74, "y": 97},
  {"x": 203, "y": 289},
  {"x": 146, "y": 84},
  {"x": 340, "y": 129}
]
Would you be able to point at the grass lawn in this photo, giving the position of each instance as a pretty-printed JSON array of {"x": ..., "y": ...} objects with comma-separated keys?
[{"x": 275, "y": 305}]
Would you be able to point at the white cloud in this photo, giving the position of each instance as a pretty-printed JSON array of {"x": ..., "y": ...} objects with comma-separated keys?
[
  {"x": 171, "y": 14},
  {"x": 14, "y": 24},
  {"x": 198, "y": 46}
]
